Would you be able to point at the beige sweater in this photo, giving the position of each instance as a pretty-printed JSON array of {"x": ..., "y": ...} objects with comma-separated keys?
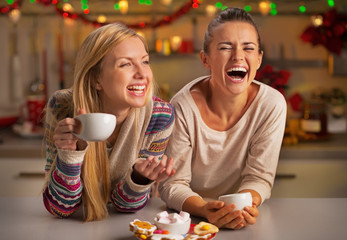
[{"x": 210, "y": 163}]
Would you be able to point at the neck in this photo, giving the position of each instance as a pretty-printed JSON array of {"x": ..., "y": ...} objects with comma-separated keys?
[{"x": 227, "y": 106}]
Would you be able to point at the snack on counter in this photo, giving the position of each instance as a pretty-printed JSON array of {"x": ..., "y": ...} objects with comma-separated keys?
[
  {"x": 173, "y": 227},
  {"x": 173, "y": 223},
  {"x": 204, "y": 228},
  {"x": 166, "y": 237},
  {"x": 197, "y": 237},
  {"x": 142, "y": 229}
]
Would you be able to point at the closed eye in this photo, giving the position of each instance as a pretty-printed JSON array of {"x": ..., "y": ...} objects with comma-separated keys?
[{"x": 125, "y": 65}]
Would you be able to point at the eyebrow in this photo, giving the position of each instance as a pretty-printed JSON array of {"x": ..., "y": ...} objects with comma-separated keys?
[
  {"x": 229, "y": 43},
  {"x": 129, "y": 58}
]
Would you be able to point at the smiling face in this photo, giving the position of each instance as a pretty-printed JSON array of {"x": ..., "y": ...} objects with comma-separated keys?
[
  {"x": 126, "y": 77},
  {"x": 233, "y": 57}
]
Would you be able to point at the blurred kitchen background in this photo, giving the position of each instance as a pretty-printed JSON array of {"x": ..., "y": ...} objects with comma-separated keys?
[{"x": 305, "y": 58}]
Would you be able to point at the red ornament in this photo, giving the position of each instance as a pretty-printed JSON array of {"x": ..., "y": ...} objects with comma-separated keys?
[{"x": 330, "y": 34}]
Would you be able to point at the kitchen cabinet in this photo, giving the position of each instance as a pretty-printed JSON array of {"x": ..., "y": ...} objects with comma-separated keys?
[
  {"x": 311, "y": 178},
  {"x": 21, "y": 177}
]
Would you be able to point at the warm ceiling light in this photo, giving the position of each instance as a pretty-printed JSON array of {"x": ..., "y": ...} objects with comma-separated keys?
[
  {"x": 67, "y": 7},
  {"x": 14, "y": 15},
  {"x": 175, "y": 43},
  {"x": 211, "y": 10},
  {"x": 123, "y": 6},
  {"x": 166, "y": 2},
  {"x": 264, "y": 7},
  {"x": 101, "y": 18},
  {"x": 317, "y": 20}
]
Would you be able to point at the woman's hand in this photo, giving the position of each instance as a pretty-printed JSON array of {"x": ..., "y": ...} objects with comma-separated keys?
[
  {"x": 250, "y": 214},
  {"x": 63, "y": 134},
  {"x": 153, "y": 169},
  {"x": 224, "y": 216}
]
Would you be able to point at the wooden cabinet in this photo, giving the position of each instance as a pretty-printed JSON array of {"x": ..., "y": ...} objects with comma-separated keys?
[
  {"x": 309, "y": 178},
  {"x": 21, "y": 177}
]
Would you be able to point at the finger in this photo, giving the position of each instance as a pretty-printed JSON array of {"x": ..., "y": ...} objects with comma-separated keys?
[
  {"x": 214, "y": 205},
  {"x": 154, "y": 168},
  {"x": 169, "y": 167},
  {"x": 249, "y": 218},
  {"x": 219, "y": 213},
  {"x": 140, "y": 165},
  {"x": 235, "y": 223},
  {"x": 146, "y": 166},
  {"x": 64, "y": 136},
  {"x": 162, "y": 175},
  {"x": 253, "y": 211},
  {"x": 232, "y": 219},
  {"x": 65, "y": 144},
  {"x": 81, "y": 111}
]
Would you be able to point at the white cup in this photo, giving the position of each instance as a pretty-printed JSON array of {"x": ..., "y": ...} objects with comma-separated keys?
[
  {"x": 241, "y": 200},
  {"x": 96, "y": 126}
]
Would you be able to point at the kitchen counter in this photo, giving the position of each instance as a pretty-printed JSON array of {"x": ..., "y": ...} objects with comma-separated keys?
[
  {"x": 333, "y": 147},
  {"x": 282, "y": 218},
  {"x": 13, "y": 145}
]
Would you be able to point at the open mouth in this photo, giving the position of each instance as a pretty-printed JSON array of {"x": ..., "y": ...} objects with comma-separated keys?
[
  {"x": 136, "y": 89},
  {"x": 237, "y": 73}
]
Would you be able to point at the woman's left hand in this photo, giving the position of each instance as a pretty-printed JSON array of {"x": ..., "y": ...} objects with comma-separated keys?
[
  {"x": 250, "y": 214},
  {"x": 153, "y": 169}
]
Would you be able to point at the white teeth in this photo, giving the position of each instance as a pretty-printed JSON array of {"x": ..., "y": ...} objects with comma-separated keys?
[
  {"x": 136, "y": 87},
  {"x": 240, "y": 69}
]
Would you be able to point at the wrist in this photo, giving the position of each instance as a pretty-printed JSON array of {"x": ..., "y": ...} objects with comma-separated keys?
[{"x": 137, "y": 178}]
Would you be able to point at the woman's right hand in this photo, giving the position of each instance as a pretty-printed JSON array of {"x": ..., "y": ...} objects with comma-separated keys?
[
  {"x": 63, "y": 134},
  {"x": 224, "y": 216}
]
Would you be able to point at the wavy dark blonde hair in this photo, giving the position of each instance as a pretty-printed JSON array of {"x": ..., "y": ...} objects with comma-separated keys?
[{"x": 95, "y": 174}]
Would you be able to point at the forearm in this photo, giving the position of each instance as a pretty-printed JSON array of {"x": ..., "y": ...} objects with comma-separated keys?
[
  {"x": 62, "y": 196},
  {"x": 194, "y": 205}
]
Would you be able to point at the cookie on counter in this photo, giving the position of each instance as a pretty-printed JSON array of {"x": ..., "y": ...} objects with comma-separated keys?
[
  {"x": 142, "y": 228},
  {"x": 204, "y": 228}
]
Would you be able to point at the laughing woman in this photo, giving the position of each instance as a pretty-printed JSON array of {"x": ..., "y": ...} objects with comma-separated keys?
[
  {"x": 228, "y": 128},
  {"x": 112, "y": 75}
]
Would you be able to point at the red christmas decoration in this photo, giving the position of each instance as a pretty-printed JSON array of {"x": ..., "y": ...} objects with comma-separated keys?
[
  {"x": 276, "y": 79},
  {"x": 58, "y": 7},
  {"x": 332, "y": 34}
]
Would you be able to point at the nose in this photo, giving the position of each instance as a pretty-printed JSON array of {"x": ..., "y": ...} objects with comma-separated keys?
[
  {"x": 238, "y": 54},
  {"x": 140, "y": 71}
]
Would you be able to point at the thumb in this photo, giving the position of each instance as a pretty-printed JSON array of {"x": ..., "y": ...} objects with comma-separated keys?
[
  {"x": 81, "y": 111},
  {"x": 215, "y": 205}
]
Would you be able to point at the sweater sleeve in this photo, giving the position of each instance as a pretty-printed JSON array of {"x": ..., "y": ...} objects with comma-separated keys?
[
  {"x": 62, "y": 195},
  {"x": 129, "y": 196},
  {"x": 264, "y": 148}
]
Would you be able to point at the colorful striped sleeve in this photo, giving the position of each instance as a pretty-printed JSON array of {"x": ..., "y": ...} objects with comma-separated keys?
[
  {"x": 62, "y": 195},
  {"x": 129, "y": 196}
]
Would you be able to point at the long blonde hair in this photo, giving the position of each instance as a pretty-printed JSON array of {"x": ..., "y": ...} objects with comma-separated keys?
[{"x": 95, "y": 174}]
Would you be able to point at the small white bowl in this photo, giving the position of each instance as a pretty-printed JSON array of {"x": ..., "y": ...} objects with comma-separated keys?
[{"x": 173, "y": 228}]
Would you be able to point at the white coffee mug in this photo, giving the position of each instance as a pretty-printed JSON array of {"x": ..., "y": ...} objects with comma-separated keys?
[
  {"x": 96, "y": 126},
  {"x": 241, "y": 200}
]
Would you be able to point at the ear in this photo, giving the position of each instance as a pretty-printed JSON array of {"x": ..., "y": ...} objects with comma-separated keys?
[
  {"x": 260, "y": 59},
  {"x": 98, "y": 85},
  {"x": 204, "y": 59}
]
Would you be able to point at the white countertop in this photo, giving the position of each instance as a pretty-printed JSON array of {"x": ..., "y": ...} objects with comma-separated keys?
[{"x": 280, "y": 219}]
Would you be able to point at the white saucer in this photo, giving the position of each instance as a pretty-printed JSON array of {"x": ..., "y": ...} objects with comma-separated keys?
[{"x": 26, "y": 132}]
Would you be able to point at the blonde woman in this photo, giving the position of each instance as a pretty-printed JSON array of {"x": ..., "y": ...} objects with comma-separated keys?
[{"x": 112, "y": 75}]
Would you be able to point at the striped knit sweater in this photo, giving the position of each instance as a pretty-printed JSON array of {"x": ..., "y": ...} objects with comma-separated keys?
[{"x": 63, "y": 194}]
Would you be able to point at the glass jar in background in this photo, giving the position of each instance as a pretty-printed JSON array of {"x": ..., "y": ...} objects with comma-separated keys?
[{"x": 314, "y": 118}]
